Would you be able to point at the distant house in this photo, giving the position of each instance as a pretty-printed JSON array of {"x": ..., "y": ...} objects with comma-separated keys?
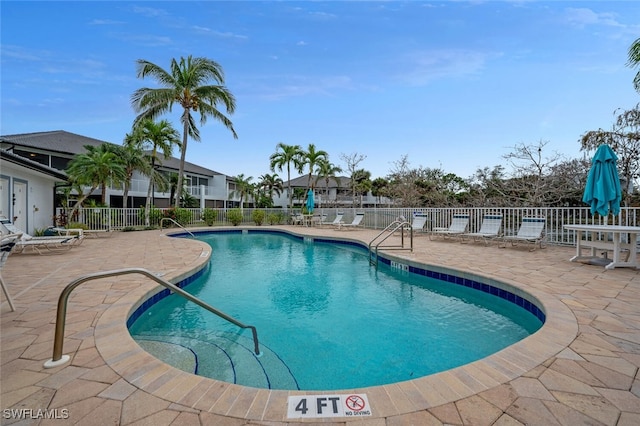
[
  {"x": 54, "y": 149},
  {"x": 338, "y": 193},
  {"x": 27, "y": 191}
]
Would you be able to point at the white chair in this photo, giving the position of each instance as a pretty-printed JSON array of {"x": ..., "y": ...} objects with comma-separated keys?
[
  {"x": 489, "y": 229},
  {"x": 337, "y": 221},
  {"x": 7, "y": 243},
  {"x": 458, "y": 226},
  {"x": 357, "y": 220},
  {"x": 531, "y": 231},
  {"x": 72, "y": 238},
  {"x": 418, "y": 222}
]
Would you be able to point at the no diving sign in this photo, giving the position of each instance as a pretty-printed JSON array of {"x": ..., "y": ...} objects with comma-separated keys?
[{"x": 311, "y": 406}]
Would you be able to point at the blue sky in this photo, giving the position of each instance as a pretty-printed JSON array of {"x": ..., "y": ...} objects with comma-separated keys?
[{"x": 451, "y": 84}]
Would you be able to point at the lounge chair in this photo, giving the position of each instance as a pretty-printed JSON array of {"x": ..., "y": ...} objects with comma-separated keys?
[
  {"x": 458, "y": 227},
  {"x": 531, "y": 231},
  {"x": 489, "y": 229},
  {"x": 355, "y": 223},
  {"x": 318, "y": 219},
  {"x": 418, "y": 222},
  {"x": 41, "y": 245},
  {"x": 7, "y": 243},
  {"x": 337, "y": 221}
]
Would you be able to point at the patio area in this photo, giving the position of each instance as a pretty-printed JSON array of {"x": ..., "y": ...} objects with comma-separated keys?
[{"x": 580, "y": 368}]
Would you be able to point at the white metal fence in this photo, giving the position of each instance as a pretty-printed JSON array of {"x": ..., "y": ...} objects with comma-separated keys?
[{"x": 374, "y": 218}]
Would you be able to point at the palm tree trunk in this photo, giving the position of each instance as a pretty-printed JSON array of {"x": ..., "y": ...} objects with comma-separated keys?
[
  {"x": 147, "y": 205},
  {"x": 183, "y": 154}
]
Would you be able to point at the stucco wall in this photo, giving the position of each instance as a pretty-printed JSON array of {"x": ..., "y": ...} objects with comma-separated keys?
[{"x": 37, "y": 210}]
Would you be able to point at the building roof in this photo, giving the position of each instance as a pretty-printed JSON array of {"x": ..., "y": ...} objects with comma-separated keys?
[
  {"x": 32, "y": 165},
  {"x": 62, "y": 142},
  {"x": 55, "y": 141}
]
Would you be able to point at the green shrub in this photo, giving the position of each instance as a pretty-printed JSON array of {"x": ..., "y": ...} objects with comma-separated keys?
[
  {"x": 235, "y": 217},
  {"x": 275, "y": 218},
  {"x": 181, "y": 216},
  {"x": 155, "y": 214},
  {"x": 77, "y": 225},
  {"x": 258, "y": 216},
  {"x": 209, "y": 216}
]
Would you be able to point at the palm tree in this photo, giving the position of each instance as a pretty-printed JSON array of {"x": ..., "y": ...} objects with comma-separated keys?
[
  {"x": 634, "y": 61},
  {"x": 134, "y": 159},
  {"x": 288, "y": 154},
  {"x": 187, "y": 83},
  {"x": 311, "y": 157},
  {"x": 327, "y": 170},
  {"x": 158, "y": 137},
  {"x": 271, "y": 184},
  {"x": 95, "y": 168},
  {"x": 244, "y": 187}
]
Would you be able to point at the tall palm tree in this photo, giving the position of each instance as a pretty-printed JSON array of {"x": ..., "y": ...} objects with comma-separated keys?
[
  {"x": 280, "y": 159},
  {"x": 93, "y": 169},
  {"x": 134, "y": 159},
  {"x": 312, "y": 157},
  {"x": 327, "y": 170},
  {"x": 189, "y": 84},
  {"x": 634, "y": 61},
  {"x": 158, "y": 137},
  {"x": 244, "y": 187}
]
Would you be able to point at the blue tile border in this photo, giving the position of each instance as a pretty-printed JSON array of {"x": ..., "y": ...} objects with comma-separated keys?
[{"x": 442, "y": 276}]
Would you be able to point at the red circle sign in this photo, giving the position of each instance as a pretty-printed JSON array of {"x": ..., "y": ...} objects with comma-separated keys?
[{"x": 355, "y": 403}]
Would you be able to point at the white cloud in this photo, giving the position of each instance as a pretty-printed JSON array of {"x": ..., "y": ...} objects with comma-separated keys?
[{"x": 426, "y": 66}]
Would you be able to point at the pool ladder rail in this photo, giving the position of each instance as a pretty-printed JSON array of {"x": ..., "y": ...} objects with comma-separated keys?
[
  {"x": 177, "y": 224},
  {"x": 60, "y": 359},
  {"x": 400, "y": 224}
]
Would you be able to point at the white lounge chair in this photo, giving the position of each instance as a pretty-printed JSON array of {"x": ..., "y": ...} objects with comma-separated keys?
[
  {"x": 41, "y": 245},
  {"x": 458, "y": 226},
  {"x": 7, "y": 243},
  {"x": 337, "y": 221},
  {"x": 489, "y": 229},
  {"x": 357, "y": 220},
  {"x": 531, "y": 231},
  {"x": 418, "y": 222},
  {"x": 318, "y": 219}
]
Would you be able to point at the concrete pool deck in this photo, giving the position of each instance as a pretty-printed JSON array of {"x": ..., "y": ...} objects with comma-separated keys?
[{"x": 580, "y": 368}]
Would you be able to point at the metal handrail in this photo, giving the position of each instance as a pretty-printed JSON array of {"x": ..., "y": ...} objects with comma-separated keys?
[
  {"x": 396, "y": 224},
  {"x": 168, "y": 218},
  {"x": 58, "y": 341}
]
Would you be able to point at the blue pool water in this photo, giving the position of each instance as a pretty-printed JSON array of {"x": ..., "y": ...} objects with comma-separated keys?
[{"x": 325, "y": 318}]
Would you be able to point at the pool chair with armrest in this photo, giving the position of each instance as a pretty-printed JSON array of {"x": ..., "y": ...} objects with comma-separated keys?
[
  {"x": 336, "y": 221},
  {"x": 418, "y": 222},
  {"x": 357, "y": 221},
  {"x": 41, "y": 245},
  {"x": 7, "y": 243},
  {"x": 531, "y": 232},
  {"x": 458, "y": 227},
  {"x": 489, "y": 229}
]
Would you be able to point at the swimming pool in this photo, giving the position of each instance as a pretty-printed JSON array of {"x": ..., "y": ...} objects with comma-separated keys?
[{"x": 326, "y": 319}]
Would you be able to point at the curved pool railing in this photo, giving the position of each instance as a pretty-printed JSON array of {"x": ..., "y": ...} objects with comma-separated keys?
[
  {"x": 177, "y": 224},
  {"x": 59, "y": 359}
]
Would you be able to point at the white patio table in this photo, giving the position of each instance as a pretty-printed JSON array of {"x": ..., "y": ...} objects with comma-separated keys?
[{"x": 599, "y": 240}]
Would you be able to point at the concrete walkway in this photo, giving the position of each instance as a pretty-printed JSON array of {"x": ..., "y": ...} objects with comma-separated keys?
[{"x": 580, "y": 368}]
